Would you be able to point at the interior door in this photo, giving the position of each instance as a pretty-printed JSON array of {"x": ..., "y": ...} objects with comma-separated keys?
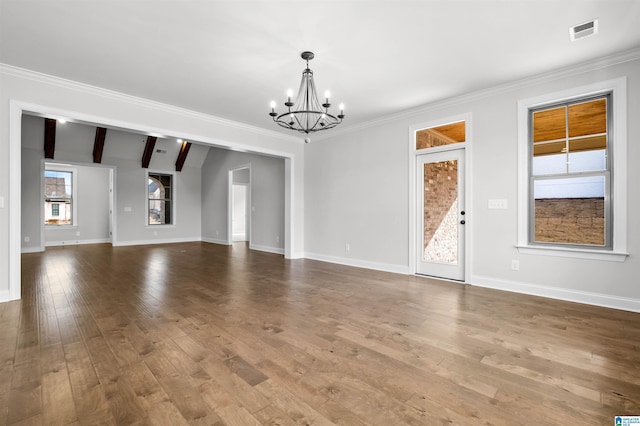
[{"x": 441, "y": 214}]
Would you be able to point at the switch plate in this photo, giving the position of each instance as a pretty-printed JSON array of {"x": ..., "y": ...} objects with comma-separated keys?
[
  {"x": 127, "y": 209},
  {"x": 497, "y": 204}
]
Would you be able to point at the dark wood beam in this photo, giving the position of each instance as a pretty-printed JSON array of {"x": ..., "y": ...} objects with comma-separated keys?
[
  {"x": 98, "y": 144},
  {"x": 148, "y": 151},
  {"x": 184, "y": 150},
  {"x": 49, "y": 137}
]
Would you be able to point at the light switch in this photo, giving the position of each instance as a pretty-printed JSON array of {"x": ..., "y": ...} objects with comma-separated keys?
[{"x": 127, "y": 209}]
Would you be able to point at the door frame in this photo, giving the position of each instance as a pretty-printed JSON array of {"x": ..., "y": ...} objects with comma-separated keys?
[
  {"x": 249, "y": 205},
  {"x": 413, "y": 187}
]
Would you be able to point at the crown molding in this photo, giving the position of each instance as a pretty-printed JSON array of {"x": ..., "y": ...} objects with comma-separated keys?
[
  {"x": 39, "y": 77},
  {"x": 604, "y": 62}
]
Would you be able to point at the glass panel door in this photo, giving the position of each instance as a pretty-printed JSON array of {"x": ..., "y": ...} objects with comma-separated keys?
[{"x": 441, "y": 214}]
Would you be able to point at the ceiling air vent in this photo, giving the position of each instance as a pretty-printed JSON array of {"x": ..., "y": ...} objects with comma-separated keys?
[
  {"x": 161, "y": 151},
  {"x": 583, "y": 30}
]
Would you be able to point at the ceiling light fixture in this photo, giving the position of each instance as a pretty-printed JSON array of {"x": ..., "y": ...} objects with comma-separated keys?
[{"x": 306, "y": 114}]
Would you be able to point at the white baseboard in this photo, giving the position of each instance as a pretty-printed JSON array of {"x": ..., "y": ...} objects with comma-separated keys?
[
  {"x": 32, "y": 249},
  {"x": 75, "y": 242},
  {"x": 386, "y": 267},
  {"x": 157, "y": 241},
  {"x": 597, "y": 299},
  {"x": 5, "y": 296},
  {"x": 276, "y": 250},
  {"x": 215, "y": 241}
]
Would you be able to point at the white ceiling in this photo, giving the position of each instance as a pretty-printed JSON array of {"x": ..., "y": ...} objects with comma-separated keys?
[{"x": 230, "y": 58}]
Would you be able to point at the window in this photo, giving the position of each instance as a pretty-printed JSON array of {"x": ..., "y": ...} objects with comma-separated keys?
[
  {"x": 572, "y": 172},
  {"x": 58, "y": 197},
  {"x": 160, "y": 198}
]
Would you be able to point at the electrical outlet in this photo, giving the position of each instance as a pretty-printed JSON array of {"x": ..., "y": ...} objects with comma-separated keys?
[
  {"x": 27, "y": 239},
  {"x": 515, "y": 265},
  {"x": 277, "y": 238},
  {"x": 347, "y": 247}
]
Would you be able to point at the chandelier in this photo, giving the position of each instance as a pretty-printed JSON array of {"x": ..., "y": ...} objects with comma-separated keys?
[{"x": 306, "y": 114}]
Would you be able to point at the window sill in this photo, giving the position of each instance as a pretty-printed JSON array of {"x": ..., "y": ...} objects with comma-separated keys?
[
  {"x": 577, "y": 253},
  {"x": 60, "y": 226}
]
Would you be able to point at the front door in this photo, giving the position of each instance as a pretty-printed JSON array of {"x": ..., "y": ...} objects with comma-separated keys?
[{"x": 441, "y": 215}]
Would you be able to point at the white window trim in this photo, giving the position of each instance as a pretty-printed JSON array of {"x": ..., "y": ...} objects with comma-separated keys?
[
  {"x": 173, "y": 199},
  {"x": 74, "y": 193},
  {"x": 618, "y": 88}
]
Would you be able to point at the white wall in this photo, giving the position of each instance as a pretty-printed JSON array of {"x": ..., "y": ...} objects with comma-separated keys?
[
  {"x": 357, "y": 192},
  {"x": 267, "y": 198}
]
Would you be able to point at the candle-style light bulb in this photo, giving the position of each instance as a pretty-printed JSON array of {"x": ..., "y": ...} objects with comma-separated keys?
[
  {"x": 273, "y": 106},
  {"x": 341, "y": 107},
  {"x": 289, "y": 95},
  {"x": 327, "y": 95}
]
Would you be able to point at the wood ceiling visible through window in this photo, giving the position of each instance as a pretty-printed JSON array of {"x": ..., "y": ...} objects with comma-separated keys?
[
  {"x": 586, "y": 129},
  {"x": 441, "y": 135}
]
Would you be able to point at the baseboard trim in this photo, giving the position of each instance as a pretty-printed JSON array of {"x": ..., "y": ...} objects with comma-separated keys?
[
  {"x": 275, "y": 250},
  {"x": 75, "y": 242},
  {"x": 31, "y": 249},
  {"x": 588, "y": 298},
  {"x": 358, "y": 263},
  {"x": 157, "y": 241},
  {"x": 5, "y": 296},
  {"x": 215, "y": 241}
]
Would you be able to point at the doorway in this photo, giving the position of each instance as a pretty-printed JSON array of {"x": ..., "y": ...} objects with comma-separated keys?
[
  {"x": 441, "y": 214},
  {"x": 239, "y": 214},
  {"x": 439, "y": 163},
  {"x": 239, "y": 205}
]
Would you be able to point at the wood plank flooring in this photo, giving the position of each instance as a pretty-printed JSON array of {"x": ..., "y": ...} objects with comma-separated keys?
[{"x": 205, "y": 334}]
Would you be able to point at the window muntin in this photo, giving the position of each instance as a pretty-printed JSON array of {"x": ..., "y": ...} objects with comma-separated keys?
[
  {"x": 570, "y": 183},
  {"x": 160, "y": 199},
  {"x": 58, "y": 197}
]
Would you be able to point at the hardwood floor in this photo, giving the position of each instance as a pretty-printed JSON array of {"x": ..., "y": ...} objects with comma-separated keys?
[{"x": 213, "y": 335}]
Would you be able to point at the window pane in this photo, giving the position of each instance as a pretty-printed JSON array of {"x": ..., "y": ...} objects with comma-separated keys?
[
  {"x": 441, "y": 135},
  {"x": 549, "y": 124},
  {"x": 441, "y": 212},
  {"x": 570, "y": 210},
  {"x": 58, "y": 191},
  {"x": 549, "y": 164},
  {"x": 588, "y": 118},
  {"x": 587, "y": 161},
  {"x": 160, "y": 195}
]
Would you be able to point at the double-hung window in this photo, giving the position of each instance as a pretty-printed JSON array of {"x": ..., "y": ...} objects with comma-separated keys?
[
  {"x": 160, "y": 199},
  {"x": 59, "y": 198},
  {"x": 572, "y": 172}
]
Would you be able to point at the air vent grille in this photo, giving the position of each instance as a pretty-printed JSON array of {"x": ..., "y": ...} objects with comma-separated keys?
[{"x": 583, "y": 30}]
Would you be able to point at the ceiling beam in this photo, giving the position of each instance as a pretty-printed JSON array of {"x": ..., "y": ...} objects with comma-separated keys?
[
  {"x": 184, "y": 150},
  {"x": 148, "y": 151},
  {"x": 49, "y": 137},
  {"x": 98, "y": 144}
]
